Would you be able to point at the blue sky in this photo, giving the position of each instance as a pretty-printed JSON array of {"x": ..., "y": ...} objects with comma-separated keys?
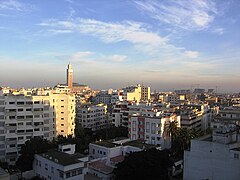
[{"x": 165, "y": 44}]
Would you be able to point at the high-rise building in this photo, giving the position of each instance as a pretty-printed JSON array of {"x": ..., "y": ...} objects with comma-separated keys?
[
  {"x": 33, "y": 113},
  {"x": 70, "y": 77}
]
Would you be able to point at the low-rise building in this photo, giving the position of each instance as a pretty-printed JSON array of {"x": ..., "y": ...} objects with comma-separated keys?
[
  {"x": 105, "y": 155},
  {"x": 57, "y": 165}
]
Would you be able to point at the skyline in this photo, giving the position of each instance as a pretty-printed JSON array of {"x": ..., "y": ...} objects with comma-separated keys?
[{"x": 111, "y": 44}]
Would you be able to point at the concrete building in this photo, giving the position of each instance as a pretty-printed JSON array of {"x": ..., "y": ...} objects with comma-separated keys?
[
  {"x": 195, "y": 116},
  {"x": 102, "y": 98},
  {"x": 92, "y": 116},
  {"x": 137, "y": 93},
  {"x": 105, "y": 155},
  {"x": 152, "y": 129},
  {"x": 40, "y": 114},
  {"x": 215, "y": 156},
  {"x": 57, "y": 165}
]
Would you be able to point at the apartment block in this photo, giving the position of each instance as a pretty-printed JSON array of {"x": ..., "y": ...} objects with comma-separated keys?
[
  {"x": 92, "y": 116},
  {"x": 151, "y": 129},
  {"x": 26, "y": 116}
]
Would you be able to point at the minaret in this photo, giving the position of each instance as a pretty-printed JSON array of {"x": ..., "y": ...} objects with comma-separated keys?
[{"x": 70, "y": 76}]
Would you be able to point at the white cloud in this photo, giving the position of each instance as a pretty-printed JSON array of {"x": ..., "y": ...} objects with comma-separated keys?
[
  {"x": 132, "y": 32},
  {"x": 81, "y": 56},
  {"x": 187, "y": 14},
  {"x": 11, "y": 5},
  {"x": 117, "y": 58},
  {"x": 219, "y": 31},
  {"x": 192, "y": 54}
]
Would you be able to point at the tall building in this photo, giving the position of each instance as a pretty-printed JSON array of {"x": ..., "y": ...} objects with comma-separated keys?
[
  {"x": 70, "y": 77},
  {"x": 40, "y": 113}
]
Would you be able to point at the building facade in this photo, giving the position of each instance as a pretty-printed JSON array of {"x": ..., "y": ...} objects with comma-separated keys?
[
  {"x": 215, "y": 156},
  {"x": 23, "y": 117}
]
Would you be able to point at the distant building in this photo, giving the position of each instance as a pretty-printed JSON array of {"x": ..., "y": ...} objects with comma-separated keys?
[
  {"x": 92, "y": 116},
  {"x": 137, "y": 93},
  {"x": 215, "y": 156},
  {"x": 70, "y": 77}
]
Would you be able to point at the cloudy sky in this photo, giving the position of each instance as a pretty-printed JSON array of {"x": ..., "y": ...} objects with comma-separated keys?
[{"x": 165, "y": 44}]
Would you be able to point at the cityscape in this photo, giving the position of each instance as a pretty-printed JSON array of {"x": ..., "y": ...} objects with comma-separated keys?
[{"x": 121, "y": 90}]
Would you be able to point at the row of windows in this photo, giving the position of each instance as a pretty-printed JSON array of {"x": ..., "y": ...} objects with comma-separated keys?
[{"x": 99, "y": 152}]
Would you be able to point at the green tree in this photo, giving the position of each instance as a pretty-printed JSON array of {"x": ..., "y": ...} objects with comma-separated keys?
[
  {"x": 29, "y": 149},
  {"x": 150, "y": 164},
  {"x": 172, "y": 130}
]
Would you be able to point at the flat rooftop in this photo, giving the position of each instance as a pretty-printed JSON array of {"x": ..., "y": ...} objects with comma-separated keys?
[
  {"x": 62, "y": 158},
  {"x": 106, "y": 143},
  {"x": 140, "y": 144}
]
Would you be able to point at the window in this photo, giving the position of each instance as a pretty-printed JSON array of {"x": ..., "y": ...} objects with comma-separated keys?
[
  {"x": 20, "y": 131},
  {"x": 62, "y": 118},
  {"x": 20, "y": 124},
  {"x": 36, "y": 102},
  {"x": 62, "y": 124},
  {"x": 11, "y": 102},
  {"x": 61, "y": 174},
  {"x": 12, "y": 117},
  {"x": 236, "y": 156},
  {"x": 68, "y": 175},
  {"x": 62, "y": 112},
  {"x": 36, "y": 162},
  {"x": 29, "y": 102},
  {"x": 21, "y": 137},
  {"x": 79, "y": 171},
  {"x": 62, "y": 106},
  {"x": 12, "y": 145},
  {"x": 153, "y": 128},
  {"x": 62, "y": 100},
  {"x": 134, "y": 126},
  {"x": 147, "y": 127},
  {"x": 62, "y": 130},
  {"x": 20, "y": 117},
  {"x": 19, "y": 110},
  {"x": 46, "y": 166},
  {"x": 74, "y": 173},
  {"x": 28, "y": 109},
  {"x": 39, "y": 163},
  {"x": 28, "y": 123},
  {"x": 52, "y": 170},
  {"x": 20, "y": 103}
]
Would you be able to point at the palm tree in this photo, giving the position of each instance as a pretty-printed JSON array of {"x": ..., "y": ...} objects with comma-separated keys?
[{"x": 172, "y": 131}]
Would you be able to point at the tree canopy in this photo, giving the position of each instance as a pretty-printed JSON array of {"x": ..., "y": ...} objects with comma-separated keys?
[
  {"x": 31, "y": 147},
  {"x": 149, "y": 164}
]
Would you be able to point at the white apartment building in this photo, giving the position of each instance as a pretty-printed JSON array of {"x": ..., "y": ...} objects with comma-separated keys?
[
  {"x": 195, "y": 116},
  {"x": 57, "y": 165},
  {"x": 215, "y": 156},
  {"x": 92, "y": 116},
  {"x": 151, "y": 129},
  {"x": 123, "y": 110},
  {"x": 26, "y": 116}
]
